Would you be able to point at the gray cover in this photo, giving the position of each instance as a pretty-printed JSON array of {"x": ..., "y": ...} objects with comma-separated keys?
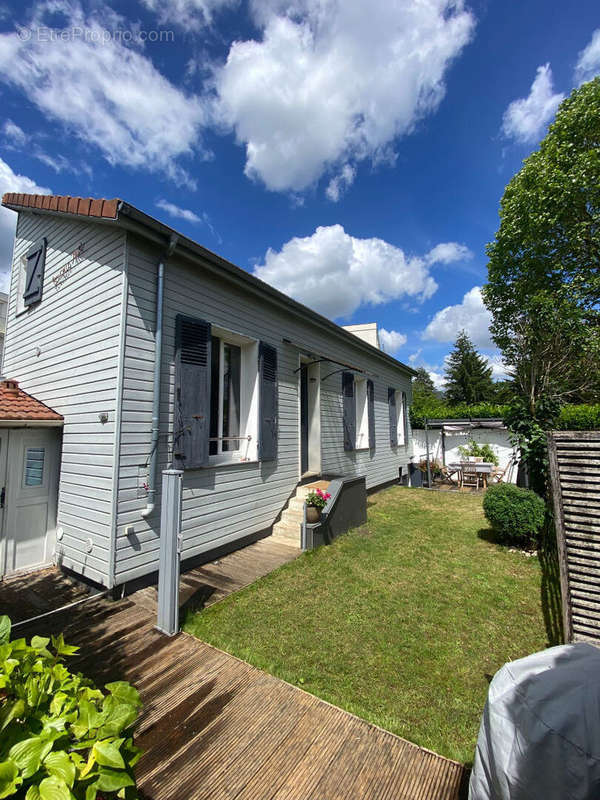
[{"x": 540, "y": 730}]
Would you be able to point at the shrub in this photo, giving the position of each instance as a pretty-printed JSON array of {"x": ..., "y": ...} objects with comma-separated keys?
[
  {"x": 579, "y": 418},
  {"x": 60, "y": 737},
  {"x": 435, "y": 408},
  {"x": 475, "y": 450},
  {"x": 515, "y": 514}
]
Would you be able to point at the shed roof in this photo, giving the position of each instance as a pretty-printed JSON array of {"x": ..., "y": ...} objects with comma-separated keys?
[
  {"x": 116, "y": 211},
  {"x": 15, "y": 404}
]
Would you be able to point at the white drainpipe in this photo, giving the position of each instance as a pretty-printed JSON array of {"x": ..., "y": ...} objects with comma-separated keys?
[{"x": 160, "y": 290}]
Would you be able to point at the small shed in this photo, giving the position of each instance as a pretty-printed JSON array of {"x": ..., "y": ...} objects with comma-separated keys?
[{"x": 30, "y": 444}]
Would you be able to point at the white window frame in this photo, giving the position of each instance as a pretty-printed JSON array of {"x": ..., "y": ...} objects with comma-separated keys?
[
  {"x": 249, "y": 390},
  {"x": 361, "y": 399}
]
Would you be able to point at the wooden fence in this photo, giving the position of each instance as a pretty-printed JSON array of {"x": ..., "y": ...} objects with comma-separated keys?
[{"x": 575, "y": 478}]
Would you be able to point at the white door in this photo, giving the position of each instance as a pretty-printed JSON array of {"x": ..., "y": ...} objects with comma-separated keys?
[{"x": 30, "y": 497}]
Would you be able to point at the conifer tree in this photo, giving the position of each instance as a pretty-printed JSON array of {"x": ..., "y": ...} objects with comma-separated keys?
[{"x": 468, "y": 378}]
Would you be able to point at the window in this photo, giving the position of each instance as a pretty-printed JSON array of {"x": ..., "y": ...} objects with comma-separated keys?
[
  {"x": 225, "y": 388},
  {"x": 233, "y": 398},
  {"x": 362, "y": 414},
  {"x": 34, "y": 466}
]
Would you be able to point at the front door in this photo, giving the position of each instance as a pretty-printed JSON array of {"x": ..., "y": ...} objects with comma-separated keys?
[{"x": 29, "y": 488}]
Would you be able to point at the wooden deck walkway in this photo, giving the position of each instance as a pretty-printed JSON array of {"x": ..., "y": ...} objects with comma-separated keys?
[
  {"x": 216, "y": 728},
  {"x": 207, "y": 584}
]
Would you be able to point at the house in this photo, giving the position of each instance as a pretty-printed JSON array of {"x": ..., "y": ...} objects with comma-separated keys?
[
  {"x": 157, "y": 353},
  {"x": 3, "y": 311}
]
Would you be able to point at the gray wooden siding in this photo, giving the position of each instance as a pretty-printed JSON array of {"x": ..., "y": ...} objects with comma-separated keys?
[
  {"x": 77, "y": 328},
  {"x": 224, "y": 503}
]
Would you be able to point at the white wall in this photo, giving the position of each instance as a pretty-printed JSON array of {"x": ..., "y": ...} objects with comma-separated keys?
[
  {"x": 224, "y": 503},
  {"x": 498, "y": 439},
  {"x": 65, "y": 351}
]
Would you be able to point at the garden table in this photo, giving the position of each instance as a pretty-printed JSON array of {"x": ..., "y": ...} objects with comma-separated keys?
[{"x": 482, "y": 468}]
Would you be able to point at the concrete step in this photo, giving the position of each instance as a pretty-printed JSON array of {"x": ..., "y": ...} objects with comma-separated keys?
[
  {"x": 287, "y": 533},
  {"x": 295, "y": 504},
  {"x": 293, "y": 516}
]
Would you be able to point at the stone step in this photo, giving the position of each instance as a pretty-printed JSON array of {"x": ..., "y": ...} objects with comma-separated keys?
[
  {"x": 295, "y": 504},
  {"x": 287, "y": 533},
  {"x": 292, "y": 516}
]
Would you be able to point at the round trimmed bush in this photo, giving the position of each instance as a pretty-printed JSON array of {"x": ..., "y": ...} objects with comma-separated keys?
[{"x": 515, "y": 514}]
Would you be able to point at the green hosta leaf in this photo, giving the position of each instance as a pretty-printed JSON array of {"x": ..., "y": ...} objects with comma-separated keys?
[
  {"x": 11, "y": 711},
  {"x": 4, "y": 629},
  {"x": 28, "y": 755},
  {"x": 91, "y": 791},
  {"x": 54, "y": 788},
  {"x": 9, "y": 778},
  {"x": 125, "y": 692},
  {"x": 33, "y": 793},
  {"x": 9, "y": 665},
  {"x": 111, "y": 780},
  {"x": 59, "y": 764},
  {"x": 108, "y": 755}
]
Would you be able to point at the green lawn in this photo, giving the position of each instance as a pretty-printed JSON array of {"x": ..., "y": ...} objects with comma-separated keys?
[{"x": 401, "y": 622}]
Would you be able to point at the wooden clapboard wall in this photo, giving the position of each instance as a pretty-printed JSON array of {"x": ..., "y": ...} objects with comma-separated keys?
[{"x": 575, "y": 478}]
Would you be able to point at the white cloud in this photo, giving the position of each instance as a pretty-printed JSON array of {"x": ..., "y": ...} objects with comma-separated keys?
[
  {"x": 11, "y": 182},
  {"x": 335, "y": 273},
  {"x": 13, "y": 133},
  {"x": 333, "y": 82},
  {"x": 177, "y": 212},
  {"x": 109, "y": 94},
  {"x": 470, "y": 315},
  {"x": 339, "y": 183},
  {"x": 526, "y": 119},
  {"x": 499, "y": 368},
  {"x": 191, "y": 15},
  {"x": 588, "y": 62},
  {"x": 391, "y": 341},
  {"x": 448, "y": 252}
]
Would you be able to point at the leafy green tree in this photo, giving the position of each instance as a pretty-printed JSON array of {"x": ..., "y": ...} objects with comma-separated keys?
[
  {"x": 544, "y": 272},
  {"x": 468, "y": 377}
]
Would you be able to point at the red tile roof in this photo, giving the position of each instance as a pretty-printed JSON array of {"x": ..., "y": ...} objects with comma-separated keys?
[
  {"x": 82, "y": 206},
  {"x": 15, "y": 404}
]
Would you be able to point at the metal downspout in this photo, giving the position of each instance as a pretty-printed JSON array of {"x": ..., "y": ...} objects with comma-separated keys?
[{"x": 160, "y": 290}]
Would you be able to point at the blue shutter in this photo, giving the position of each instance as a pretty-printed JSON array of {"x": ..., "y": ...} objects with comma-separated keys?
[
  {"x": 268, "y": 402},
  {"x": 393, "y": 417},
  {"x": 34, "y": 273},
  {"x": 349, "y": 410},
  {"x": 371, "y": 413},
  {"x": 192, "y": 392}
]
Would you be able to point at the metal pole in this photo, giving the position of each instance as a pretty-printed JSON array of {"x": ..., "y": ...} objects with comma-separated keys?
[
  {"x": 170, "y": 553},
  {"x": 427, "y": 448}
]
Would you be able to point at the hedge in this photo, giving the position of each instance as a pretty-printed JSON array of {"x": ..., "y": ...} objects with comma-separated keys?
[
  {"x": 571, "y": 417},
  {"x": 579, "y": 418}
]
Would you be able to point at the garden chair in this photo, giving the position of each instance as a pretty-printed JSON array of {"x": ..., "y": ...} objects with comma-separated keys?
[
  {"x": 497, "y": 475},
  {"x": 470, "y": 476}
]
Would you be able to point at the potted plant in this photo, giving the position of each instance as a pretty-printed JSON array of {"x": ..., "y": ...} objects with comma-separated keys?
[{"x": 315, "y": 503}]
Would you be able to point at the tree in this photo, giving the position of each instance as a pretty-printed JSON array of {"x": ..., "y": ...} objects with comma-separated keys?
[
  {"x": 543, "y": 287},
  {"x": 423, "y": 387},
  {"x": 468, "y": 377}
]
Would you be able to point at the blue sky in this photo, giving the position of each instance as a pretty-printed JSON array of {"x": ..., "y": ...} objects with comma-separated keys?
[{"x": 353, "y": 154}]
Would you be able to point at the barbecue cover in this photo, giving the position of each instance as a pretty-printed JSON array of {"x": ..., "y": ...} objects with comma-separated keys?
[{"x": 540, "y": 732}]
